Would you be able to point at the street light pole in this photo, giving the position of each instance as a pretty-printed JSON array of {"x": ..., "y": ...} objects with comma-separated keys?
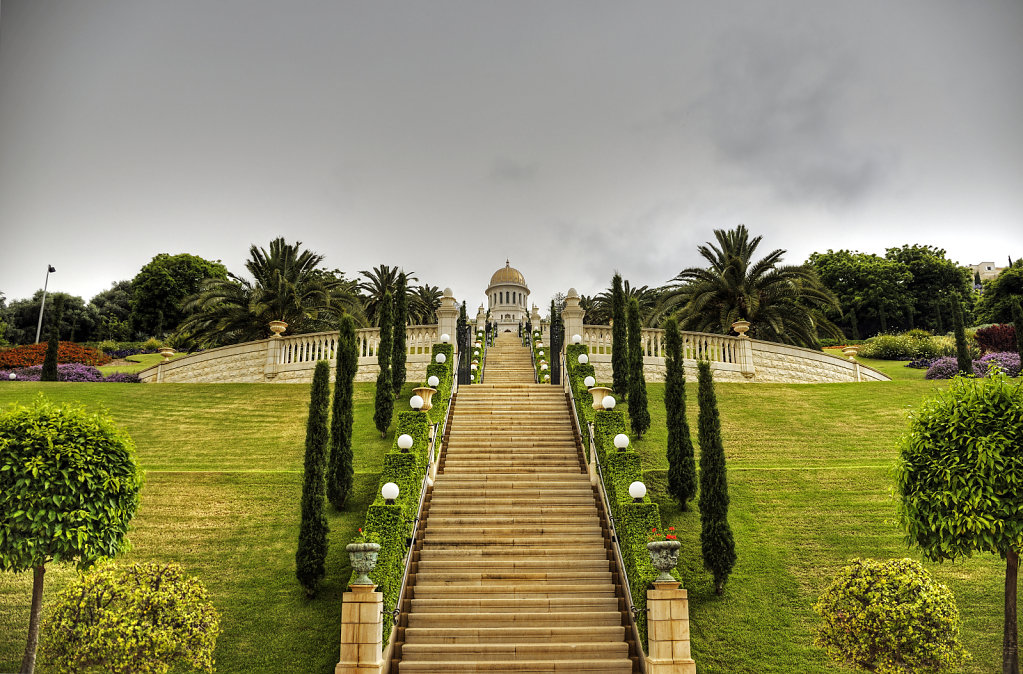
[{"x": 39, "y": 328}]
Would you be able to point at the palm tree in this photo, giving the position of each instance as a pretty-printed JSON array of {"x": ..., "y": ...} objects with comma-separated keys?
[
  {"x": 288, "y": 286},
  {"x": 424, "y": 303},
  {"x": 599, "y": 312},
  {"x": 783, "y": 303},
  {"x": 378, "y": 281}
]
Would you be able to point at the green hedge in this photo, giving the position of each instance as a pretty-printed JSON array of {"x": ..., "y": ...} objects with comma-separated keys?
[
  {"x": 393, "y": 523},
  {"x": 482, "y": 339},
  {"x": 537, "y": 342}
]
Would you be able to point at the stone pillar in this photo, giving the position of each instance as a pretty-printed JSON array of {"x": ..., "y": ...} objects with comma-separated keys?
[
  {"x": 534, "y": 318},
  {"x": 362, "y": 632},
  {"x": 447, "y": 315},
  {"x": 745, "y": 354},
  {"x": 572, "y": 314},
  {"x": 668, "y": 630},
  {"x": 273, "y": 349},
  {"x": 481, "y": 318}
]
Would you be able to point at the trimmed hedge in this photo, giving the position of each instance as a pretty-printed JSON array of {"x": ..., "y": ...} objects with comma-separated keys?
[
  {"x": 539, "y": 346},
  {"x": 481, "y": 337}
]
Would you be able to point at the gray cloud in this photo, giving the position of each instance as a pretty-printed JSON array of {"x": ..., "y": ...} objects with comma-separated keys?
[{"x": 505, "y": 170}]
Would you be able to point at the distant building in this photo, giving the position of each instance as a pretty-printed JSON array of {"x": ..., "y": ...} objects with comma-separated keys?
[
  {"x": 507, "y": 297},
  {"x": 987, "y": 270}
]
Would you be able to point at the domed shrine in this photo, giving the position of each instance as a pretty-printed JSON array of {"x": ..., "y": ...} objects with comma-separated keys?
[{"x": 507, "y": 297}]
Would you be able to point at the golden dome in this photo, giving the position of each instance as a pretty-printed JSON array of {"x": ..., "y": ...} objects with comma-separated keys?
[{"x": 508, "y": 274}]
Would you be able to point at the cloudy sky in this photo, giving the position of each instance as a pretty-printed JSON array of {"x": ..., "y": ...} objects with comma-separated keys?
[{"x": 573, "y": 137}]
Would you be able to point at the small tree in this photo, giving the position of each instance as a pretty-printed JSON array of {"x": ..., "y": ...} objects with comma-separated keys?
[
  {"x": 142, "y": 619},
  {"x": 681, "y": 459},
  {"x": 889, "y": 617},
  {"x": 399, "y": 348},
  {"x": 384, "y": 406},
  {"x": 716, "y": 542},
  {"x": 311, "y": 557},
  {"x": 963, "y": 358},
  {"x": 638, "y": 411},
  {"x": 619, "y": 339},
  {"x": 49, "y": 372},
  {"x": 958, "y": 477},
  {"x": 340, "y": 471},
  {"x": 44, "y": 515}
]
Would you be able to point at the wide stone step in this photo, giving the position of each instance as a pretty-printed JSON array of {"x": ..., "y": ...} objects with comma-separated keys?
[
  {"x": 511, "y": 500},
  {"x": 518, "y": 620},
  {"x": 515, "y": 651},
  {"x": 500, "y": 635},
  {"x": 519, "y": 666},
  {"x": 509, "y": 530},
  {"x": 529, "y": 480},
  {"x": 512, "y": 578},
  {"x": 475, "y": 605},
  {"x": 489, "y": 537},
  {"x": 534, "y": 509},
  {"x": 438, "y": 552},
  {"x": 487, "y": 519},
  {"x": 525, "y": 564}
]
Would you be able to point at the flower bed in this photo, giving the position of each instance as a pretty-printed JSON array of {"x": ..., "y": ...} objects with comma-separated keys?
[
  {"x": 67, "y": 352},
  {"x": 76, "y": 372},
  {"x": 948, "y": 367}
]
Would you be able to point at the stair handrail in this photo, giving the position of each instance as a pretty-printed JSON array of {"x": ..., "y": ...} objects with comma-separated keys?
[{"x": 595, "y": 458}]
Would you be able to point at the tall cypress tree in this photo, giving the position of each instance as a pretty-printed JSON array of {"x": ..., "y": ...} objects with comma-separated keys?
[
  {"x": 311, "y": 557},
  {"x": 1017, "y": 322},
  {"x": 49, "y": 372},
  {"x": 681, "y": 460},
  {"x": 385, "y": 395},
  {"x": 339, "y": 470},
  {"x": 619, "y": 339},
  {"x": 638, "y": 411},
  {"x": 963, "y": 359},
  {"x": 716, "y": 542},
  {"x": 399, "y": 347}
]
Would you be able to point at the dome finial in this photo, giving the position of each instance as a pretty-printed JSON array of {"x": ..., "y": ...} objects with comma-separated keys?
[{"x": 507, "y": 262}]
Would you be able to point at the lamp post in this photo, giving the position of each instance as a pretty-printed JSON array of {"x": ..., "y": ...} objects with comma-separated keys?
[{"x": 39, "y": 328}]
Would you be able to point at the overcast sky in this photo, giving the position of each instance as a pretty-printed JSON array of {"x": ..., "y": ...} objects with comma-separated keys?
[{"x": 574, "y": 138}]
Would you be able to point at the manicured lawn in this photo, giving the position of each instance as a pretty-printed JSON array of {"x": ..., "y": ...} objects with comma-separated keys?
[
  {"x": 222, "y": 497},
  {"x": 140, "y": 362}
]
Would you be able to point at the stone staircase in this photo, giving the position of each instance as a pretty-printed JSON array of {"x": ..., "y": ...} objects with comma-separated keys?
[{"x": 513, "y": 571}]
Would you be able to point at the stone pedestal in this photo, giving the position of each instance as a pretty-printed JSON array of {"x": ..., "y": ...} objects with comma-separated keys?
[
  {"x": 447, "y": 315},
  {"x": 572, "y": 315},
  {"x": 668, "y": 630},
  {"x": 361, "y": 631}
]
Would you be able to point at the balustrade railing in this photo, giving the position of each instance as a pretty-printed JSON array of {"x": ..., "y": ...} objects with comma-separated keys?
[
  {"x": 419, "y": 339},
  {"x": 695, "y": 345}
]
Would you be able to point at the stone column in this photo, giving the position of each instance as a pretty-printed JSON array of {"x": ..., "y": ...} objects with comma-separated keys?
[
  {"x": 572, "y": 314},
  {"x": 745, "y": 354},
  {"x": 273, "y": 349},
  {"x": 668, "y": 630},
  {"x": 362, "y": 632},
  {"x": 481, "y": 318},
  {"x": 447, "y": 315}
]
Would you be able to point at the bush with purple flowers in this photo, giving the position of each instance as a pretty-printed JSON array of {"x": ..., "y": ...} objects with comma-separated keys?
[
  {"x": 74, "y": 372},
  {"x": 921, "y": 363},
  {"x": 948, "y": 367},
  {"x": 1006, "y": 361}
]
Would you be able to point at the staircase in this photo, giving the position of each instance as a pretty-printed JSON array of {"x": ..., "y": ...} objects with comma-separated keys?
[{"x": 514, "y": 571}]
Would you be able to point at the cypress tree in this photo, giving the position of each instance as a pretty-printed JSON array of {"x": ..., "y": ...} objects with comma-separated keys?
[
  {"x": 49, "y": 372},
  {"x": 619, "y": 339},
  {"x": 681, "y": 461},
  {"x": 311, "y": 557},
  {"x": 963, "y": 359},
  {"x": 385, "y": 395},
  {"x": 1017, "y": 323},
  {"x": 716, "y": 542},
  {"x": 340, "y": 470},
  {"x": 398, "y": 351},
  {"x": 638, "y": 412}
]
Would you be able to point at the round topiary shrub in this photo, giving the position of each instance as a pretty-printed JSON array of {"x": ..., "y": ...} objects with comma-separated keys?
[
  {"x": 142, "y": 618},
  {"x": 889, "y": 617}
]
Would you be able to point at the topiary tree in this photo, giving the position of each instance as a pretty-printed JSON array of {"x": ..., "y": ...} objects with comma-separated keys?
[
  {"x": 958, "y": 476},
  {"x": 49, "y": 372},
  {"x": 311, "y": 556},
  {"x": 69, "y": 487},
  {"x": 399, "y": 348},
  {"x": 639, "y": 414},
  {"x": 681, "y": 461},
  {"x": 619, "y": 339},
  {"x": 340, "y": 471},
  {"x": 142, "y": 619},
  {"x": 889, "y": 617},
  {"x": 963, "y": 358},
  {"x": 716, "y": 542},
  {"x": 384, "y": 406}
]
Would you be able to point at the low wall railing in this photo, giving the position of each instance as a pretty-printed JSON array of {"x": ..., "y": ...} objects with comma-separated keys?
[
  {"x": 309, "y": 348},
  {"x": 695, "y": 345}
]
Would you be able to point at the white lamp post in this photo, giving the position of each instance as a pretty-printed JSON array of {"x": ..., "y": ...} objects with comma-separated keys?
[
  {"x": 404, "y": 442},
  {"x": 433, "y": 381},
  {"x": 589, "y": 382},
  {"x": 390, "y": 492},
  {"x": 445, "y": 338},
  {"x": 416, "y": 403},
  {"x": 637, "y": 490},
  {"x": 583, "y": 359},
  {"x": 621, "y": 442},
  {"x": 608, "y": 402},
  {"x": 440, "y": 358},
  {"x": 577, "y": 339}
]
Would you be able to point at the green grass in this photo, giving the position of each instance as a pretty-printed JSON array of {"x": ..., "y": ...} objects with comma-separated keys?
[
  {"x": 141, "y": 361},
  {"x": 222, "y": 497}
]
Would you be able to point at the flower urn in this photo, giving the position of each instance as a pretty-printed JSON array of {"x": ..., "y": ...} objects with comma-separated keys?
[
  {"x": 664, "y": 557},
  {"x": 277, "y": 327},
  {"x": 363, "y": 557},
  {"x": 426, "y": 393}
]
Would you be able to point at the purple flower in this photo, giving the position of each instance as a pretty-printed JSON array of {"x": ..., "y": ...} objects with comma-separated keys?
[
  {"x": 948, "y": 367},
  {"x": 1007, "y": 362}
]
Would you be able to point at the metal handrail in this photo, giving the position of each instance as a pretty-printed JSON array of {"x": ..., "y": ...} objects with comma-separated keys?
[{"x": 595, "y": 458}]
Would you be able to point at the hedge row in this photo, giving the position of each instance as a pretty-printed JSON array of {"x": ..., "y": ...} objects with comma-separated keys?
[
  {"x": 479, "y": 356},
  {"x": 541, "y": 358},
  {"x": 633, "y": 521},
  {"x": 393, "y": 523}
]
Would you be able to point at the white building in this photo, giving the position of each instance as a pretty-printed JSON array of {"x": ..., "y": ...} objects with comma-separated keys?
[
  {"x": 987, "y": 270},
  {"x": 507, "y": 298}
]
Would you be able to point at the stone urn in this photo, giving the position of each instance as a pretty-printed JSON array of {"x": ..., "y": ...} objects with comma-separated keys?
[
  {"x": 277, "y": 327},
  {"x": 850, "y": 352},
  {"x": 363, "y": 557},
  {"x": 664, "y": 557},
  {"x": 426, "y": 393},
  {"x": 741, "y": 327},
  {"x": 598, "y": 393},
  {"x": 166, "y": 352}
]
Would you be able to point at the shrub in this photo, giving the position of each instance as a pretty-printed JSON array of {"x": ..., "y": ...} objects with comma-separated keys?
[
  {"x": 75, "y": 372},
  {"x": 311, "y": 556},
  {"x": 1006, "y": 361},
  {"x": 340, "y": 470},
  {"x": 921, "y": 363},
  {"x": 67, "y": 352},
  {"x": 152, "y": 345},
  {"x": 145, "y": 618},
  {"x": 947, "y": 367},
  {"x": 899, "y": 347},
  {"x": 997, "y": 338},
  {"x": 889, "y": 617},
  {"x": 918, "y": 333}
]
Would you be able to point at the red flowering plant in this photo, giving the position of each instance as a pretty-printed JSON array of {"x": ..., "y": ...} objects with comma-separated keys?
[
  {"x": 664, "y": 535},
  {"x": 67, "y": 352},
  {"x": 363, "y": 537}
]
